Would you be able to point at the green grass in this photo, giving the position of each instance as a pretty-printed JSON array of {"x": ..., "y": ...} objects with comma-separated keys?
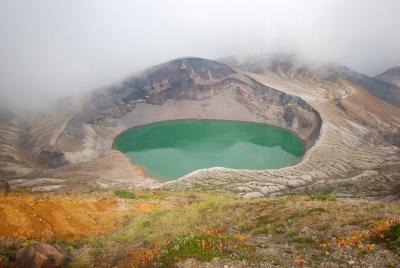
[
  {"x": 322, "y": 197},
  {"x": 202, "y": 211},
  {"x": 208, "y": 211},
  {"x": 304, "y": 213},
  {"x": 95, "y": 252},
  {"x": 265, "y": 219},
  {"x": 124, "y": 194},
  {"x": 291, "y": 233},
  {"x": 205, "y": 247},
  {"x": 302, "y": 241},
  {"x": 94, "y": 241}
]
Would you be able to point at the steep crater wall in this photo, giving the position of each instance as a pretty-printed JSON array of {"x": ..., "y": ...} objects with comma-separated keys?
[{"x": 181, "y": 89}]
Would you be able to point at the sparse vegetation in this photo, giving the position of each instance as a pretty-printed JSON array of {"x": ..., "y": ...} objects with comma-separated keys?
[
  {"x": 7, "y": 254},
  {"x": 387, "y": 232},
  {"x": 78, "y": 263},
  {"x": 95, "y": 252},
  {"x": 124, "y": 194},
  {"x": 164, "y": 227},
  {"x": 392, "y": 236},
  {"x": 207, "y": 246},
  {"x": 323, "y": 197}
]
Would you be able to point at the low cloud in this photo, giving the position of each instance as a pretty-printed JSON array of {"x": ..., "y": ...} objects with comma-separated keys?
[{"x": 51, "y": 49}]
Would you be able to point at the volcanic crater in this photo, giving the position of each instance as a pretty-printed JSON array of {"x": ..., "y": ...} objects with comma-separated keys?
[{"x": 350, "y": 144}]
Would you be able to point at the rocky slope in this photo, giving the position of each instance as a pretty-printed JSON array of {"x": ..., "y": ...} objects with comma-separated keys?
[
  {"x": 12, "y": 160},
  {"x": 391, "y": 76},
  {"x": 384, "y": 90},
  {"x": 350, "y": 128},
  {"x": 383, "y": 86}
]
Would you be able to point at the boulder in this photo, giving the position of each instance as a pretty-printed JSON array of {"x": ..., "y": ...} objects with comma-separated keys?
[
  {"x": 38, "y": 255},
  {"x": 253, "y": 195},
  {"x": 4, "y": 187}
]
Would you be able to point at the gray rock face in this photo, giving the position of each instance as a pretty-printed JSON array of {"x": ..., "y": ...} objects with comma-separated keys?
[
  {"x": 253, "y": 195},
  {"x": 51, "y": 159},
  {"x": 393, "y": 138},
  {"x": 37, "y": 255},
  {"x": 181, "y": 79},
  {"x": 4, "y": 187}
]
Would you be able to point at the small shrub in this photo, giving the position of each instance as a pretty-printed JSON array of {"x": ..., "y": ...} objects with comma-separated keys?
[
  {"x": 8, "y": 255},
  {"x": 291, "y": 233},
  {"x": 391, "y": 236},
  {"x": 95, "y": 252},
  {"x": 124, "y": 194},
  {"x": 244, "y": 228},
  {"x": 69, "y": 250},
  {"x": 123, "y": 238},
  {"x": 323, "y": 197},
  {"x": 385, "y": 232}
]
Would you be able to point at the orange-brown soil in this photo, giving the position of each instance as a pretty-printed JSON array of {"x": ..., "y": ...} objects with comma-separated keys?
[{"x": 61, "y": 217}]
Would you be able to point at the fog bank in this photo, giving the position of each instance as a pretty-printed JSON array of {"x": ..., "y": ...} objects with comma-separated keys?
[{"x": 54, "y": 48}]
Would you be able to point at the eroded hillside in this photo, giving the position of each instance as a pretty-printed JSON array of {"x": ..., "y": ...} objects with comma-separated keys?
[
  {"x": 183, "y": 88},
  {"x": 391, "y": 76},
  {"x": 351, "y": 134}
]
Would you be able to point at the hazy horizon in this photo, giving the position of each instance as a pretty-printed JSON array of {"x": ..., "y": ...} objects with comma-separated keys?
[{"x": 52, "y": 49}]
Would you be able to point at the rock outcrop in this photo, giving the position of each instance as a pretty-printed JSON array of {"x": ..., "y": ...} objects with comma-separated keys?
[{"x": 37, "y": 255}]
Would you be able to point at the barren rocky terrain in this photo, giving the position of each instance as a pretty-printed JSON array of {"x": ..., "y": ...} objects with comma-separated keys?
[{"x": 351, "y": 134}]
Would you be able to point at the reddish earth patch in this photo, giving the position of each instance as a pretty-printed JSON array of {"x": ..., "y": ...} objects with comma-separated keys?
[{"x": 36, "y": 217}]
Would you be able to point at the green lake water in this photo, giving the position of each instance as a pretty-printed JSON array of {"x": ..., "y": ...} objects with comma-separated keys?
[{"x": 171, "y": 149}]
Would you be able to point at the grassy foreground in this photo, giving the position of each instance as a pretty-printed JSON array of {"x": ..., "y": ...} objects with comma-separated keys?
[{"x": 189, "y": 228}]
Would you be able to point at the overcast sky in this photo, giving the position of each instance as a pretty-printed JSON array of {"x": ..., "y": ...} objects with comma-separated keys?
[{"x": 52, "y": 48}]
